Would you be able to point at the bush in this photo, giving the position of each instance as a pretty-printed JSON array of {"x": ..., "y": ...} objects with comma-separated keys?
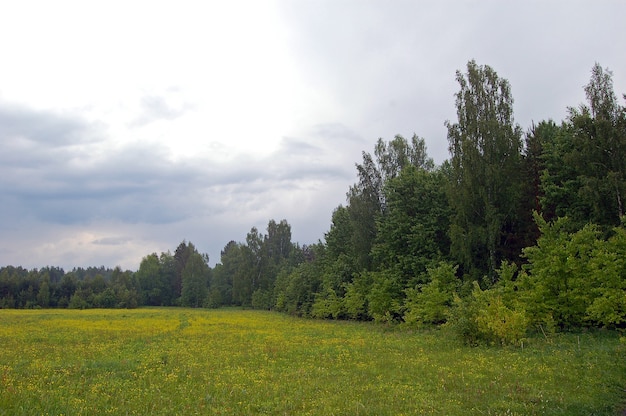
[
  {"x": 355, "y": 298},
  {"x": 498, "y": 323},
  {"x": 383, "y": 298},
  {"x": 77, "y": 302},
  {"x": 495, "y": 316},
  {"x": 262, "y": 299},
  {"x": 327, "y": 305},
  {"x": 214, "y": 299},
  {"x": 429, "y": 303},
  {"x": 462, "y": 320},
  {"x": 576, "y": 279}
]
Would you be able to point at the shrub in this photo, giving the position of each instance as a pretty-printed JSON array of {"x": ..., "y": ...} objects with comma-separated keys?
[
  {"x": 383, "y": 298},
  {"x": 498, "y": 323},
  {"x": 262, "y": 299},
  {"x": 429, "y": 303},
  {"x": 494, "y": 316},
  {"x": 214, "y": 299},
  {"x": 576, "y": 279}
]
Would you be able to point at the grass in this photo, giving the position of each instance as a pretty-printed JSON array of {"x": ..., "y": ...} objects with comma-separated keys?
[{"x": 233, "y": 362}]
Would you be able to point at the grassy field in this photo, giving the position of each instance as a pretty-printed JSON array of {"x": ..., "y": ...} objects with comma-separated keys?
[{"x": 233, "y": 362}]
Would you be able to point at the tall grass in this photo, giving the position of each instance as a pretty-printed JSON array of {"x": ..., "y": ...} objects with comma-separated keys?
[{"x": 233, "y": 362}]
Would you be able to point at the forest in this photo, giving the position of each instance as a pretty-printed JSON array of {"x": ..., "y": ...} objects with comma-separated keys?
[{"x": 518, "y": 232}]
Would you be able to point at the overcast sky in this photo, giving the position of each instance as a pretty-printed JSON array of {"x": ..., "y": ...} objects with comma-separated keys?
[{"x": 128, "y": 126}]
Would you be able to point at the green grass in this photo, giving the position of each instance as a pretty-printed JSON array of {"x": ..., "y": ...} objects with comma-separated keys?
[{"x": 233, "y": 362}]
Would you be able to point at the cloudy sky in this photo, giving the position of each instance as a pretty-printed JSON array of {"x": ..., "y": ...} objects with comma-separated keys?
[{"x": 128, "y": 126}]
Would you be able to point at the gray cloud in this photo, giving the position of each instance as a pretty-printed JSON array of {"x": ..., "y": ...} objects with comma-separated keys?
[
  {"x": 292, "y": 146},
  {"x": 19, "y": 125},
  {"x": 112, "y": 241},
  {"x": 160, "y": 107},
  {"x": 137, "y": 187}
]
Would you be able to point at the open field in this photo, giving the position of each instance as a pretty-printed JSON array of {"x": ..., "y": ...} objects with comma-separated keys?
[{"x": 224, "y": 362}]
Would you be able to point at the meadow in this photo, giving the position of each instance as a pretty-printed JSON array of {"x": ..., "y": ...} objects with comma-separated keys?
[{"x": 239, "y": 362}]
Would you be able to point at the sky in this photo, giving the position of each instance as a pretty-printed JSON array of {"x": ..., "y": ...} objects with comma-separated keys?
[{"x": 127, "y": 127}]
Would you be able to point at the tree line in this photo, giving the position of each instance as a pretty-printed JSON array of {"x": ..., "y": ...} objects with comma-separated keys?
[{"x": 515, "y": 232}]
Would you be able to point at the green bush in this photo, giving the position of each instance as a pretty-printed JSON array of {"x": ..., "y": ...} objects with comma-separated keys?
[
  {"x": 262, "y": 299},
  {"x": 576, "y": 279},
  {"x": 355, "y": 298},
  {"x": 498, "y": 323},
  {"x": 383, "y": 298},
  {"x": 494, "y": 316},
  {"x": 429, "y": 303},
  {"x": 462, "y": 320},
  {"x": 327, "y": 305}
]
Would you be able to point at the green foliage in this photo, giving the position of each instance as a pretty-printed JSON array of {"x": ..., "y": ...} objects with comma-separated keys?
[
  {"x": 356, "y": 297},
  {"x": 384, "y": 297},
  {"x": 559, "y": 271},
  {"x": 154, "y": 282},
  {"x": 295, "y": 290},
  {"x": 81, "y": 288},
  {"x": 494, "y": 316},
  {"x": 367, "y": 199},
  {"x": 462, "y": 320},
  {"x": 607, "y": 268},
  {"x": 262, "y": 299},
  {"x": 106, "y": 299},
  {"x": 328, "y": 305},
  {"x": 195, "y": 281},
  {"x": 231, "y": 272},
  {"x": 485, "y": 146},
  {"x": 585, "y": 161},
  {"x": 253, "y": 266},
  {"x": 337, "y": 276},
  {"x": 412, "y": 233},
  {"x": 77, "y": 301},
  {"x": 214, "y": 299},
  {"x": 576, "y": 279},
  {"x": 497, "y": 322},
  {"x": 43, "y": 297},
  {"x": 429, "y": 303}
]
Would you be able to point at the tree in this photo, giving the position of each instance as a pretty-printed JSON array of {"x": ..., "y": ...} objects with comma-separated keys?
[
  {"x": 235, "y": 271},
  {"x": 195, "y": 279},
  {"x": 584, "y": 176},
  {"x": 413, "y": 232},
  {"x": 338, "y": 264},
  {"x": 485, "y": 147},
  {"x": 608, "y": 282},
  {"x": 537, "y": 139},
  {"x": 277, "y": 242},
  {"x": 254, "y": 260},
  {"x": 181, "y": 256},
  {"x": 125, "y": 288},
  {"x": 600, "y": 141},
  {"x": 559, "y": 181},
  {"x": 43, "y": 297},
  {"x": 275, "y": 251},
  {"x": 67, "y": 287},
  {"x": 295, "y": 289},
  {"x": 224, "y": 272},
  {"x": 153, "y": 283},
  {"x": 168, "y": 272},
  {"x": 250, "y": 264},
  {"x": 367, "y": 198}
]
